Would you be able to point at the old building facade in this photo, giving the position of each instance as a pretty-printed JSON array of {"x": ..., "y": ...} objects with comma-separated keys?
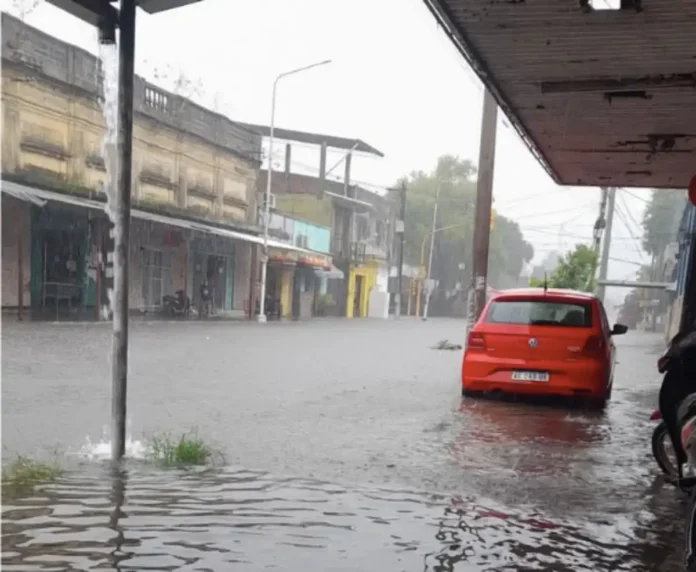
[{"x": 194, "y": 180}]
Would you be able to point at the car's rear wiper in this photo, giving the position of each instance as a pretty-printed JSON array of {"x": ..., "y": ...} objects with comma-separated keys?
[{"x": 544, "y": 323}]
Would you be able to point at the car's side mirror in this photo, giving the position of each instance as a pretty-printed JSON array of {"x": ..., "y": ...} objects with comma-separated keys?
[{"x": 619, "y": 329}]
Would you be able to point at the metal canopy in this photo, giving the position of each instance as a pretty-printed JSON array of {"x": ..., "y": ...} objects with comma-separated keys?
[
  {"x": 602, "y": 97},
  {"x": 39, "y": 197}
]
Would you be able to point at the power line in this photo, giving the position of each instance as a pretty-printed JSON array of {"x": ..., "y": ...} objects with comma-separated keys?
[
  {"x": 628, "y": 212},
  {"x": 621, "y": 216}
]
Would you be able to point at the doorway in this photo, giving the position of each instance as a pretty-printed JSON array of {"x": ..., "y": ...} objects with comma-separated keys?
[
  {"x": 63, "y": 269},
  {"x": 357, "y": 296},
  {"x": 218, "y": 271}
]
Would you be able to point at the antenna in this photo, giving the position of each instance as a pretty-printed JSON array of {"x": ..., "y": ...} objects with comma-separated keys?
[{"x": 546, "y": 283}]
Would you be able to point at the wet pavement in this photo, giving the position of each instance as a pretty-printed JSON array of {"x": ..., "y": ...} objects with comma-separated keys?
[{"x": 348, "y": 447}]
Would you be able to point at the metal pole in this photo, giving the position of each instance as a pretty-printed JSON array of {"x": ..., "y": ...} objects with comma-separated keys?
[
  {"x": 430, "y": 256},
  {"x": 421, "y": 272},
  {"x": 267, "y": 208},
  {"x": 119, "y": 358},
  {"x": 606, "y": 243},
  {"x": 484, "y": 200},
  {"x": 401, "y": 227},
  {"x": 20, "y": 266}
]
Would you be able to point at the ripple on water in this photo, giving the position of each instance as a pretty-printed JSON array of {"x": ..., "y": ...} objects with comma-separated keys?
[{"x": 213, "y": 520}]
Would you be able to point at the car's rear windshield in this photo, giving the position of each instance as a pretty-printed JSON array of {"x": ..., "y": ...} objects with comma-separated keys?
[{"x": 540, "y": 313}]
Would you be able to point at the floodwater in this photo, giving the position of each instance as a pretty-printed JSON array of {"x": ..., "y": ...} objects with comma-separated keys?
[{"x": 348, "y": 447}]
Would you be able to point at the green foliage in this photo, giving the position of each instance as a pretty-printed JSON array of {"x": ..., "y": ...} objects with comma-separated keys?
[
  {"x": 575, "y": 271},
  {"x": 187, "y": 450},
  {"x": 22, "y": 475},
  {"x": 508, "y": 249},
  {"x": 661, "y": 219}
]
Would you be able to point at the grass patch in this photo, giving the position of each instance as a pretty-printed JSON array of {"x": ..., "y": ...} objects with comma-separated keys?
[
  {"x": 22, "y": 475},
  {"x": 187, "y": 450}
]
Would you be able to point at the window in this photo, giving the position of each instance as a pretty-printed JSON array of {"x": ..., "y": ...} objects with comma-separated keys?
[{"x": 540, "y": 313}]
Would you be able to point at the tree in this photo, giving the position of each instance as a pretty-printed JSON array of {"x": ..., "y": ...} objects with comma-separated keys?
[
  {"x": 453, "y": 246},
  {"x": 575, "y": 270},
  {"x": 661, "y": 220}
]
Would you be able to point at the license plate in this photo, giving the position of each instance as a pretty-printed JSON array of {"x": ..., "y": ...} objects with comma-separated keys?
[{"x": 530, "y": 376}]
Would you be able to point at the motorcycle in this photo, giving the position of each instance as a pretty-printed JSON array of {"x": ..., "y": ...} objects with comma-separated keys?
[
  {"x": 687, "y": 422},
  {"x": 680, "y": 351},
  {"x": 178, "y": 305},
  {"x": 662, "y": 449}
]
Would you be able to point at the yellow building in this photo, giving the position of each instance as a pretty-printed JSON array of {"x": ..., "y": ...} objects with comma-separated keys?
[{"x": 193, "y": 189}]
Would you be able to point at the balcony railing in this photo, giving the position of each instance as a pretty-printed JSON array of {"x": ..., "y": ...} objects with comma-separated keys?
[{"x": 357, "y": 252}]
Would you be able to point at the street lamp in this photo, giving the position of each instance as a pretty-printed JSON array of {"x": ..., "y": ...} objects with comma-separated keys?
[{"x": 267, "y": 205}]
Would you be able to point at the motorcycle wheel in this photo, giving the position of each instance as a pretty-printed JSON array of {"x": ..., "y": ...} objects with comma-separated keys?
[
  {"x": 663, "y": 452},
  {"x": 690, "y": 535}
]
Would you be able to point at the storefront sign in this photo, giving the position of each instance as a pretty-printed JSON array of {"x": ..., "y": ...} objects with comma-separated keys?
[
  {"x": 302, "y": 258},
  {"x": 282, "y": 256},
  {"x": 315, "y": 261}
]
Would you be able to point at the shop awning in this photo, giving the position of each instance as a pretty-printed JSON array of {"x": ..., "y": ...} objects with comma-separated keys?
[
  {"x": 333, "y": 274},
  {"x": 39, "y": 197}
]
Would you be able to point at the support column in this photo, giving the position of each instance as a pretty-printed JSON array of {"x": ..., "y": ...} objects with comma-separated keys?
[
  {"x": 20, "y": 266},
  {"x": 484, "y": 200},
  {"x": 119, "y": 359},
  {"x": 401, "y": 231},
  {"x": 98, "y": 241},
  {"x": 253, "y": 281}
]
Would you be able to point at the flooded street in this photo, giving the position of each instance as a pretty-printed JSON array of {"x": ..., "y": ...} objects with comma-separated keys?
[{"x": 347, "y": 447}]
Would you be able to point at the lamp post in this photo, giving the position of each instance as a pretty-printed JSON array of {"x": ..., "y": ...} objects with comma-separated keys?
[
  {"x": 422, "y": 258},
  {"x": 267, "y": 198}
]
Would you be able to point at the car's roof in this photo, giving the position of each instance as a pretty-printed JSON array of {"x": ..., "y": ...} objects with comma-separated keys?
[{"x": 556, "y": 293}]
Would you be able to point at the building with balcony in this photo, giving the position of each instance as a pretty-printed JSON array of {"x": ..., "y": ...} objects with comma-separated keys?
[
  {"x": 193, "y": 188},
  {"x": 361, "y": 220},
  {"x": 361, "y": 226}
]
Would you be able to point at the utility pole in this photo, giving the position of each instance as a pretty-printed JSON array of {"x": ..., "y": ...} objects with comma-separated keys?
[
  {"x": 401, "y": 229},
  {"x": 608, "y": 202},
  {"x": 484, "y": 201},
  {"x": 119, "y": 357},
  {"x": 430, "y": 256}
]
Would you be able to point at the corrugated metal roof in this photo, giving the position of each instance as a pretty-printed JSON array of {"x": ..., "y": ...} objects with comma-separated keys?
[
  {"x": 314, "y": 138},
  {"x": 602, "y": 97}
]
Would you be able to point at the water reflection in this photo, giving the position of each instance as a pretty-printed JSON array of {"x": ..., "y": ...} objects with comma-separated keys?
[
  {"x": 137, "y": 519},
  {"x": 117, "y": 497}
]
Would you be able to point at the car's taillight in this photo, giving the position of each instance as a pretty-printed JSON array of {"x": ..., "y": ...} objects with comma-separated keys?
[
  {"x": 594, "y": 346},
  {"x": 476, "y": 341},
  {"x": 687, "y": 432}
]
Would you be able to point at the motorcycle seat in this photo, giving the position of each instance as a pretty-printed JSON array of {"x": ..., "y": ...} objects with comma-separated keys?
[{"x": 687, "y": 408}]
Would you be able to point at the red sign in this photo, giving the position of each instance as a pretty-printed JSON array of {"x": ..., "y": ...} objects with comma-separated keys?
[{"x": 315, "y": 262}]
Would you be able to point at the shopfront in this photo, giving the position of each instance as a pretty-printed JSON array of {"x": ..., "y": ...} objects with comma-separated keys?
[
  {"x": 292, "y": 281},
  {"x": 212, "y": 261},
  {"x": 60, "y": 257}
]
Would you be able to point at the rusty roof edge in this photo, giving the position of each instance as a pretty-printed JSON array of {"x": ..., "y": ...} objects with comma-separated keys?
[{"x": 466, "y": 49}]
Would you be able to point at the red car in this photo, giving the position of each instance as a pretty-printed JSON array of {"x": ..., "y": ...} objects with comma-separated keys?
[{"x": 543, "y": 342}]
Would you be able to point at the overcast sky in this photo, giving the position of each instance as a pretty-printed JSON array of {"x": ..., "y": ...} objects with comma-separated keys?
[{"x": 395, "y": 82}]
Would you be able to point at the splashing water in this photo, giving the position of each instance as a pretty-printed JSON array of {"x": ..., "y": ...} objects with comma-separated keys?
[
  {"x": 108, "y": 102},
  {"x": 101, "y": 449}
]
